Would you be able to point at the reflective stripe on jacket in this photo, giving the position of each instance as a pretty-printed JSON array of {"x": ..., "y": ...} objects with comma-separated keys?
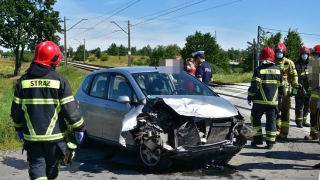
[
  {"x": 43, "y": 107},
  {"x": 266, "y": 85}
]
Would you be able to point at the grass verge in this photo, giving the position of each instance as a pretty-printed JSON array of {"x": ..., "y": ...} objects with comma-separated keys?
[{"x": 232, "y": 78}]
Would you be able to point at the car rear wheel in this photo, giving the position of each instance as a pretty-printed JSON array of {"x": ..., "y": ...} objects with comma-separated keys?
[{"x": 153, "y": 161}]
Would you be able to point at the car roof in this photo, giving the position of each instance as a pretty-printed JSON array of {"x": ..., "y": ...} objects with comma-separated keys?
[{"x": 131, "y": 70}]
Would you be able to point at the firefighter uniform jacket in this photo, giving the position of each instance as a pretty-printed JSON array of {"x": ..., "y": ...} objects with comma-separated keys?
[
  {"x": 266, "y": 85},
  {"x": 288, "y": 71},
  {"x": 303, "y": 71},
  {"x": 43, "y": 106}
]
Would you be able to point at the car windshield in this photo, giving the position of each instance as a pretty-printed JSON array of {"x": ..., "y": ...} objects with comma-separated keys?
[{"x": 154, "y": 83}]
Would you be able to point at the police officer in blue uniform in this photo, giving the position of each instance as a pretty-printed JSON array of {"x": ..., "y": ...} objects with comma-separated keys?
[{"x": 203, "y": 71}]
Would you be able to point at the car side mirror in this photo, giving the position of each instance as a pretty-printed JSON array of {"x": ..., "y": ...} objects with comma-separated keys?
[{"x": 124, "y": 100}]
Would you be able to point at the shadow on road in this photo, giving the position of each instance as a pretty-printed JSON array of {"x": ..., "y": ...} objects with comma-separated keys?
[{"x": 14, "y": 162}]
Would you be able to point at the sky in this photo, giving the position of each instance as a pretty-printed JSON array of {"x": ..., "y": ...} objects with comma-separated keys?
[{"x": 167, "y": 22}]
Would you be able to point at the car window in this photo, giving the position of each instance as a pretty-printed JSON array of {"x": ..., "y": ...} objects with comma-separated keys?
[
  {"x": 86, "y": 84},
  {"x": 120, "y": 86},
  {"x": 155, "y": 83},
  {"x": 99, "y": 85}
]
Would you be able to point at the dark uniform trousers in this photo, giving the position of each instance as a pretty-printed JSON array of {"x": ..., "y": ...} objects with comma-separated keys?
[
  {"x": 256, "y": 114},
  {"x": 302, "y": 108},
  {"x": 44, "y": 157}
]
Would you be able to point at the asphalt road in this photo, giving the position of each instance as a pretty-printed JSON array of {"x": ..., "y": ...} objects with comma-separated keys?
[{"x": 290, "y": 159}]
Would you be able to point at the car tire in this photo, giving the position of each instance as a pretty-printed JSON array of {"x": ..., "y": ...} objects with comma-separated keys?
[
  {"x": 151, "y": 161},
  {"x": 86, "y": 141}
]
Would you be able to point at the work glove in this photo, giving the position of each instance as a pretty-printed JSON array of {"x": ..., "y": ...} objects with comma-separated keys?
[
  {"x": 279, "y": 100},
  {"x": 249, "y": 102},
  {"x": 69, "y": 156},
  {"x": 318, "y": 106},
  {"x": 20, "y": 135},
  {"x": 79, "y": 137},
  {"x": 294, "y": 91}
]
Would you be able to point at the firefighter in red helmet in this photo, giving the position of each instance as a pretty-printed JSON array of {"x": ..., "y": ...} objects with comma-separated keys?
[
  {"x": 302, "y": 96},
  {"x": 290, "y": 79},
  {"x": 42, "y": 106},
  {"x": 315, "y": 95},
  {"x": 265, "y": 91}
]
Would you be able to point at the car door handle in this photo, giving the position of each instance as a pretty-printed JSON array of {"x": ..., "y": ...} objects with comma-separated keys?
[{"x": 106, "y": 106}]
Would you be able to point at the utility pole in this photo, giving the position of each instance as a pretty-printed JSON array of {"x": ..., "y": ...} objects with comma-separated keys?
[
  {"x": 253, "y": 52},
  {"x": 258, "y": 46},
  {"x": 65, "y": 41},
  {"x": 129, "y": 48},
  {"x": 84, "y": 50},
  {"x": 65, "y": 38}
]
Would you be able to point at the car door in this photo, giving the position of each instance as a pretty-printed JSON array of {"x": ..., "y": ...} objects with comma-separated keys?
[
  {"x": 118, "y": 86},
  {"x": 95, "y": 104}
]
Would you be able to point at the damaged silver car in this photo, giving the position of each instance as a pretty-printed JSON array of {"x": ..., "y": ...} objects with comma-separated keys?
[{"x": 160, "y": 116}]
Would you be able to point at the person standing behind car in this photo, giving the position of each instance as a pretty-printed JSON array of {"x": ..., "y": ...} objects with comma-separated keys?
[
  {"x": 203, "y": 71},
  {"x": 265, "y": 91},
  {"x": 42, "y": 106},
  {"x": 191, "y": 67},
  {"x": 302, "y": 97}
]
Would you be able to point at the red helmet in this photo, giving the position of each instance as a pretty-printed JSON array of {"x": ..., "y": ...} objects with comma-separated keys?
[
  {"x": 304, "y": 50},
  {"x": 47, "y": 53},
  {"x": 267, "y": 54},
  {"x": 280, "y": 47},
  {"x": 316, "y": 49}
]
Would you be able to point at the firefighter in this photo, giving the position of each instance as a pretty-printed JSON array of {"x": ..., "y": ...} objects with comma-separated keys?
[
  {"x": 42, "y": 106},
  {"x": 290, "y": 78},
  {"x": 314, "y": 103},
  {"x": 302, "y": 97},
  {"x": 265, "y": 91}
]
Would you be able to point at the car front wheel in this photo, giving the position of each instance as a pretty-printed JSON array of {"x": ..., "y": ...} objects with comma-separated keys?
[{"x": 153, "y": 161}]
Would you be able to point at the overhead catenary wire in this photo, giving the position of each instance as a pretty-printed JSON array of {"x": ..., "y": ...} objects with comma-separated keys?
[
  {"x": 106, "y": 18},
  {"x": 288, "y": 31},
  {"x": 190, "y": 13}
]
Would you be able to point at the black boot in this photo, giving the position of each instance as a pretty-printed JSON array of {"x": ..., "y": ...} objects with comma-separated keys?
[
  {"x": 305, "y": 124},
  {"x": 299, "y": 124}
]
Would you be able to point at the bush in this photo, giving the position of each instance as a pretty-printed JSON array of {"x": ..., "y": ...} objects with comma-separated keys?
[
  {"x": 104, "y": 57},
  {"x": 92, "y": 59}
]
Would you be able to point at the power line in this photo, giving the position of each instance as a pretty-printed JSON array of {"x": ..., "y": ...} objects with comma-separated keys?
[
  {"x": 191, "y": 13},
  {"x": 168, "y": 13},
  {"x": 108, "y": 18},
  {"x": 288, "y": 31},
  {"x": 163, "y": 10}
]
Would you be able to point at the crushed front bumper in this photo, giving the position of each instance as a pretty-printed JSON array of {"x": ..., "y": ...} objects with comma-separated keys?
[{"x": 220, "y": 150}]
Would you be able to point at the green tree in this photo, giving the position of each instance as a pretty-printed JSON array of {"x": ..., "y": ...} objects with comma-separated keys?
[
  {"x": 146, "y": 51},
  {"x": 23, "y": 24},
  {"x": 122, "y": 50},
  {"x": 98, "y": 53},
  {"x": 293, "y": 42},
  {"x": 213, "y": 53},
  {"x": 162, "y": 52},
  {"x": 113, "y": 50},
  {"x": 70, "y": 52},
  {"x": 78, "y": 55},
  {"x": 134, "y": 51},
  {"x": 272, "y": 40}
]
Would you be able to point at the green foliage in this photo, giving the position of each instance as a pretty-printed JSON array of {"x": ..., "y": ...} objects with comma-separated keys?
[
  {"x": 91, "y": 59},
  {"x": 272, "y": 40},
  {"x": 27, "y": 56},
  {"x": 113, "y": 50},
  {"x": 23, "y": 24},
  {"x": 79, "y": 54},
  {"x": 145, "y": 51},
  {"x": 293, "y": 42},
  {"x": 162, "y": 52},
  {"x": 237, "y": 69},
  {"x": 205, "y": 42},
  {"x": 104, "y": 57},
  {"x": 97, "y": 53},
  {"x": 122, "y": 50},
  {"x": 140, "y": 62},
  {"x": 246, "y": 64},
  {"x": 239, "y": 55}
]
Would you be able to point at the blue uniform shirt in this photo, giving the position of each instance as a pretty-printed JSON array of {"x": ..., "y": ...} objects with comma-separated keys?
[{"x": 204, "y": 71}]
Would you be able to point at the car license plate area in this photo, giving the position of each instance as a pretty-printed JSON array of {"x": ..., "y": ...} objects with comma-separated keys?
[{"x": 218, "y": 132}]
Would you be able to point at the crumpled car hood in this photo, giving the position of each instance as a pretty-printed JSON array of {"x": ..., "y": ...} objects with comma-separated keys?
[{"x": 200, "y": 106}]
